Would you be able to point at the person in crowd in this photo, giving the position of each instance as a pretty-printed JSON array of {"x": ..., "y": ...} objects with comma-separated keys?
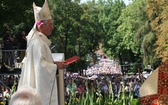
[
  {"x": 136, "y": 89},
  {"x": 22, "y": 41},
  {"x": 115, "y": 90},
  {"x": 8, "y": 41},
  {"x": 25, "y": 95},
  {"x": 39, "y": 69},
  {"x": 7, "y": 55},
  {"x": 6, "y": 93},
  {"x": 131, "y": 84},
  {"x": 10, "y": 81},
  {"x": 103, "y": 86},
  {"x": 81, "y": 88},
  {"x": 71, "y": 86},
  {"x": 127, "y": 89}
]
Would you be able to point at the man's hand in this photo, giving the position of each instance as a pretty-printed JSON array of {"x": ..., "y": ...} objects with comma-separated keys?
[{"x": 61, "y": 65}]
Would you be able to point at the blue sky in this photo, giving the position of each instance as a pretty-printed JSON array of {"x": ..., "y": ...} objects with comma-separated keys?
[{"x": 126, "y": 1}]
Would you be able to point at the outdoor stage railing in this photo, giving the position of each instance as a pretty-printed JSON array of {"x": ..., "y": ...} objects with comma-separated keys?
[
  {"x": 11, "y": 57},
  {"x": 10, "y": 68}
]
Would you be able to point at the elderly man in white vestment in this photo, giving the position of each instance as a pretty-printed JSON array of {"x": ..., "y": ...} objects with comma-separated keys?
[{"x": 39, "y": 69}]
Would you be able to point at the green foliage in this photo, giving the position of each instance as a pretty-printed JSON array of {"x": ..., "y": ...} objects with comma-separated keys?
[
  {"x": 77, "y": 31},
  {"x": 14, "y": 87},
  {"x": 157, "y": 14},
  {"x": 3, "y": 101},
  {"x": 14, "y": 13},
  {"x": 124, "y": 31},
  {"x": 94, "y": 97},
  {"x": 128, "y": 36},
  {"x": 108, "y": 15},
  {"x": 72, "y": 100}
]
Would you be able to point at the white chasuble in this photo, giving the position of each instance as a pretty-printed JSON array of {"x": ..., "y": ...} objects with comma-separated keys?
[{"x": 39, "y": 70}]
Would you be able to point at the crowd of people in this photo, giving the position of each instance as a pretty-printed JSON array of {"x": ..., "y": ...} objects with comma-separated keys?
[
  {"x": 104, "y": 66},
  {"x": 38, "y": 64},
  {"x": 102, "y": 83},
  {"x": 79, "y": 83},
  {"x": 99, "y": 75},
  {"x": 7, "y": 81},
  {"x": 130, "y": 83}
]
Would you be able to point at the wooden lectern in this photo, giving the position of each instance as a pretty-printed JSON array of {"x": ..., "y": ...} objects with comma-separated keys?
[{"x": 60, "y": 78}]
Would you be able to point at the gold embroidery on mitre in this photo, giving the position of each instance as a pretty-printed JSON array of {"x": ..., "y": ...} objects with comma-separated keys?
[
  {"x": 154, "y": 102},
  {"x": 164, "y": 82},
  {"x": 164, "y": 67},
  {"x": 42, "y": 13},
  {"x": 166, "y": 75}
]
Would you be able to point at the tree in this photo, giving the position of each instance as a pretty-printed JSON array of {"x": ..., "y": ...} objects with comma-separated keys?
[
  {"x": 109, "y": 13},
  {"x": 134, "y": 39},
  {"x": 157, "y": 13},
  {"x": 16, "y": 14},
  {"x": 137, "y": 32},
  {"x": 77, "y": 33}
]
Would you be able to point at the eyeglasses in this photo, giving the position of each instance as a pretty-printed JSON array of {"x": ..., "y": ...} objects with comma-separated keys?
[{"x": 50, "y": 24}]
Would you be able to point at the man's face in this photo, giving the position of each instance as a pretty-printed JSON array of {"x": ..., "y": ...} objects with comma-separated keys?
[{"x": 47, "y": 27}]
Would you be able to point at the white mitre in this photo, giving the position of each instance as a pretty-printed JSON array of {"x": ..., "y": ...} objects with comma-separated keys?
[
  {"x": 149, "y": 87},
  {"x": 154, "y": 90},
  {"x": 39, "y": 14},
  {"x": 42, "y": 13}
]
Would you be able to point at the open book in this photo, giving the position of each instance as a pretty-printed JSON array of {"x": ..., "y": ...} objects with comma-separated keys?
[{"x": 71, "y": 60}]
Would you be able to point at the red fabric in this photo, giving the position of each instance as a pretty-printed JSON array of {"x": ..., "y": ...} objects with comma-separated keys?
[{"x": 161, "y": 98}]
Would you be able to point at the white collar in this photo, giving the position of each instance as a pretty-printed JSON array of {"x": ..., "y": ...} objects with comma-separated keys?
[{"x": 31, "y": 36}]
